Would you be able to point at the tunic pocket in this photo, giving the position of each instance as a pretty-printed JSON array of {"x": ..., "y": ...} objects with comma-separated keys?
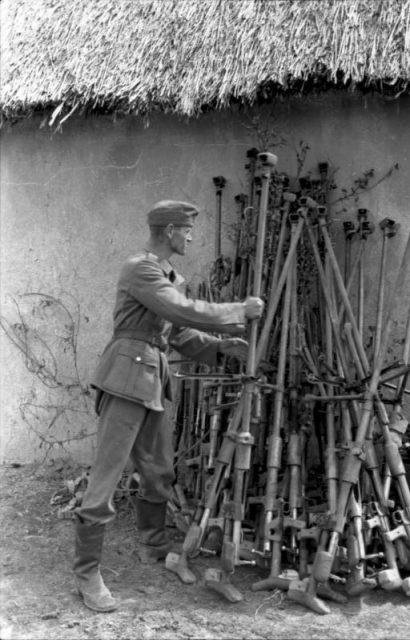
[{"x": 134, "y": 373}]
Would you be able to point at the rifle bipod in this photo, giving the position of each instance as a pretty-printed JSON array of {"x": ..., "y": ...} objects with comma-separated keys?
[
  {"x": 178, "y": 563},
  {"x": 243, "y": 440},
  {"x": 303, "y": 477}
]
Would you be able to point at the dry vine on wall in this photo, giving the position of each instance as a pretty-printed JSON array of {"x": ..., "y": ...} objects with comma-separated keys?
[{"x": 45, "y": 330}]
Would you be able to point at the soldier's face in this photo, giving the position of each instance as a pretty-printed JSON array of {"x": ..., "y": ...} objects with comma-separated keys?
[{"x": 180, "y": 238}]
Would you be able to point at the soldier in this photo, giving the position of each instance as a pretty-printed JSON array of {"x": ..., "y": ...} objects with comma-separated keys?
[{"x": 133, "y": 380}]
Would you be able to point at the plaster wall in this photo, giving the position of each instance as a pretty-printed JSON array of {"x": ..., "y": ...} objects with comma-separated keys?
[{"x": 73, "y": 207}]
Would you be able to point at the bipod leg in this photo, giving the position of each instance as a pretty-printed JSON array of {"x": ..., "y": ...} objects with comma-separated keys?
[
  {"x": 275, "y": 442},
  {"x": 273, "y": 527},
  {"x": 349, "y": 231},
  {"x": 331, "y": 461},
  {"x": 253, "y": 235},
  {"x": 276, "y": 293},
  {"x": 247, "y": 222},
  {"x": 243, "y": 439},
  {"x": 288, "y": 199},
  {"x": 365, "y": 227},
  {"x": 273, "y": 535},
  {"x": 178, "y": 563},
  {"x": 215, "y": 423},
  {"x": 223, "y": 460},
  {"x": 304, "y": 592},
  {"x": 252, "y": 156},
  {"x": 389, "y": 229},
  {"x": 388, "y": 579},
  {"x": 352, "y": 275},
  {"x": 240, "y": 264},
  {"x": 219, "y": 182},
  {"x": 294, "y": 453},
  {"x": 219, "y": 580},
  {"x": 357, "y": 582}
]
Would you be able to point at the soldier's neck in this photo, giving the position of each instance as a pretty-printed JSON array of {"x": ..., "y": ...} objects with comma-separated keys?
[{"x": 160, "y": 249}]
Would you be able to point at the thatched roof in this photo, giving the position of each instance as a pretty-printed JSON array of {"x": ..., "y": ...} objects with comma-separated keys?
[{"x": 133, "y": 56}]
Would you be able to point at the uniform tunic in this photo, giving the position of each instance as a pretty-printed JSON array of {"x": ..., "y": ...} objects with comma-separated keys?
[{"x": 132, "y": 378}]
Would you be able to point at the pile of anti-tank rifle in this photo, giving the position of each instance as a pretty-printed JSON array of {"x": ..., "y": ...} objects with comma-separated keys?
[{"x": 297, "y": 463}]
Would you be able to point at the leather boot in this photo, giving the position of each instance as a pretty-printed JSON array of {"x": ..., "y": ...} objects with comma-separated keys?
[
  {"x": 90, "y": 585},
  {"x": 154, "y": 542}
]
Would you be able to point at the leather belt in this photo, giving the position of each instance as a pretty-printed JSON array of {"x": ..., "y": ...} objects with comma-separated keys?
[{"x": 155, "y": 341}]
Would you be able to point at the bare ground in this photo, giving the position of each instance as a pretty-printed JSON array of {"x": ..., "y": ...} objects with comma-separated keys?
[{"x": 38, "y": 599}]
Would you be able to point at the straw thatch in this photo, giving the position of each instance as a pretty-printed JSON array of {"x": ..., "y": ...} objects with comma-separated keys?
[{"x": 133, "y": 56}]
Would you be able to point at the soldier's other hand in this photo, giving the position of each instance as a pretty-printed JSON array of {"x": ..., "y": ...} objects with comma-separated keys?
[
  {"x": 253, "y": 307},
  {"x": 235, "y": 347}
]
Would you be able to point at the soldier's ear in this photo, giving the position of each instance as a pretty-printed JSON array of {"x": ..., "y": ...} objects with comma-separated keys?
[{"x": 169, "y": 230}]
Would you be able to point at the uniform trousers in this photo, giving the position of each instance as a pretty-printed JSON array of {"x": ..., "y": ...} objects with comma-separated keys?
[{"x": 128, "y": 430}]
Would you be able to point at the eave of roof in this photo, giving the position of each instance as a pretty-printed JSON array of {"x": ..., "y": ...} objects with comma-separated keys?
[{"x": 184, "y": 56}]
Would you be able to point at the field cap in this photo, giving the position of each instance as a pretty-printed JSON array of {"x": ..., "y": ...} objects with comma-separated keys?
[{"x": 165, "y": 212}]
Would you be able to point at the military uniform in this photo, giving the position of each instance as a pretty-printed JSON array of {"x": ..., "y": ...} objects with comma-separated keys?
[
  {"x": 132, "y": 381},
  {"x": 132, "y": 378}
]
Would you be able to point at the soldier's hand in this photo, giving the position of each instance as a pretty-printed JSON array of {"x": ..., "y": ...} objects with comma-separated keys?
[
  {"x": 253, "y": 307},
  {"x": 235, "y": 347}
]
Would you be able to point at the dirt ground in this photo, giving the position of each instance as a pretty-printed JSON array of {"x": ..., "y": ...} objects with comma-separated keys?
[{"x": 38, "y": 599}]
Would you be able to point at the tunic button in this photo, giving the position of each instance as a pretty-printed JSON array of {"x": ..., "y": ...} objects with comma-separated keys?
[{"x": 138, "y": 359}]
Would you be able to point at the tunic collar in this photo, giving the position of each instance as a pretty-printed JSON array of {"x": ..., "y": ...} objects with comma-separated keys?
[{"x": 168, "y": 269}]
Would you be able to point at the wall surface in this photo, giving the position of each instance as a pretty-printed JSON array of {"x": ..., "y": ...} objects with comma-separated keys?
[{"x": 73, "y": 207}]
